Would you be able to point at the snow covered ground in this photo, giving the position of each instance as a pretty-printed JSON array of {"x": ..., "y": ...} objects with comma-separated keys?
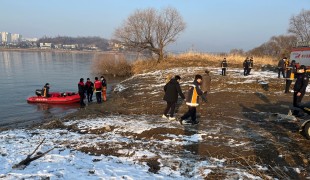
[
  {"x": 65, "y": 161},
  {"x": 70, "y": 160}
]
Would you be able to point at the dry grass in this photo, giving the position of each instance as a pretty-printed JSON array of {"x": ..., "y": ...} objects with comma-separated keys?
[
  {"x": 198, "y": 59},
  {"x": 111, "y": 64}
]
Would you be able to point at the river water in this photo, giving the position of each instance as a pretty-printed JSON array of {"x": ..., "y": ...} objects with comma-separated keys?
[{"x": 21, "y": 73}]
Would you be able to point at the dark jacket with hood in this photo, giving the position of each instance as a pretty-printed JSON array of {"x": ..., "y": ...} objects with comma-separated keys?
[{"x": 172, "y": 90}]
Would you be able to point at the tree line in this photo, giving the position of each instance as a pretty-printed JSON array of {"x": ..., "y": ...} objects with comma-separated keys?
[{"x": 99, "y": 42}]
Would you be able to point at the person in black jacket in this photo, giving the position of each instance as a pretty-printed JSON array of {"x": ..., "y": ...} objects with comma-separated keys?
[
  {"x": 172, "y": 90},
  {"x": 224, "y": 67},
  {"x": 281, "y": 67},
  {"x": 300, "y": 87},
  {"x": 81, "y": 87},
  {"x": 89, "y": 86}
]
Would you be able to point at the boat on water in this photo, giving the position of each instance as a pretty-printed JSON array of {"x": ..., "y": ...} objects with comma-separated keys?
[{"x": 55, "y": 98}]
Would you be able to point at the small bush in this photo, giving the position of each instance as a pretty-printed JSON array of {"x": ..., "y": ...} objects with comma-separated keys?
[{"x": 111, "y": 64}]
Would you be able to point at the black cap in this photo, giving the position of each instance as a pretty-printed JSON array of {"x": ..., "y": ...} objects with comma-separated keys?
[{"x": 47, "y": 84}]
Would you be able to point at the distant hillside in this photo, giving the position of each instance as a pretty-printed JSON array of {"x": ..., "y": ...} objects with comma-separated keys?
[{"x": 101, "y": 43}]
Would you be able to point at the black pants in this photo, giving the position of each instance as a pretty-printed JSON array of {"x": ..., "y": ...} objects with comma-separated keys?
[
  {"x": 223, "y": 71},
  {"x": 249, "y": 71},
  {"x": 170, "y": 107},
  {"x": 81, "y": 99},
  {"x": 245, "y": 71},
  {"x": 297, "y": 101},
  {"x": 287, "y": 86},
  {"x": 281, "y": 70},
  {"x": 98, "y": 97},
  {"x": 90, "y": 96},
  {"x": 190, "y": 113}
]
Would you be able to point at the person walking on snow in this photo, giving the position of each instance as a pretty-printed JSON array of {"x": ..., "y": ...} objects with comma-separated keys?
[
  {"x": 172, "y": 90},
  {"x": 224, "y": 66},
  {"x": 192, "y": 101}
]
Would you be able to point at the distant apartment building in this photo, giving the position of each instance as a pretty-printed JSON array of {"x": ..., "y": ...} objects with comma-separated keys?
[
  {"x": 16, "y": 38},
  {"x": 6, "y": 37}
]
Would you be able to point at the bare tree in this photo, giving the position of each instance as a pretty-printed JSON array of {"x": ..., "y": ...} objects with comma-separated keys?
[
  {"x": 300, "y": 25},
  {"x": 277, "y": 46},
  {"x": 151, "y": 30}
]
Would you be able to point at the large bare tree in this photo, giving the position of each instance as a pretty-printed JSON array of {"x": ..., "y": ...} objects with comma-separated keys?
[
  {"x": 300, "y": 25},
  {"x": 151, "y": 30}
]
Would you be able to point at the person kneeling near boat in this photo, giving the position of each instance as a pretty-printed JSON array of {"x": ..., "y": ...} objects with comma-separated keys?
[{"x": 46, "y": 90}]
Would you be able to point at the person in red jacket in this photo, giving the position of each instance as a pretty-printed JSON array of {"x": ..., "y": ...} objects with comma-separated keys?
[
  {"x": 98, "y": 89},
  {"x": 81, "y": 87}
]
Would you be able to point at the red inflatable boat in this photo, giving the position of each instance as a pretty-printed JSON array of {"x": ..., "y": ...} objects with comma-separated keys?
[{"x": 56, "y": 98}]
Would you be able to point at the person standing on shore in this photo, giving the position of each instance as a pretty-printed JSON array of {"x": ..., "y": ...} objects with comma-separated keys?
[
  {"x": 300, "y": 87},
  {"x": 281, "y": 67},
  {"x": 104, "y": 88},
  {"x": 192, "y": 101},
  {"x": 251, "y": 64},
  {"x": 98, "y": 89},
  {"x": 206, "y": 82},
  {"x": 246, "y": 64},
  {"x": 224, "y": 66},
  {"x": 172, "y": 90},
  {"x": 89, "y": 90},
  {"x": 290, "y": 75},
  {"x": 81, "y": 88}
]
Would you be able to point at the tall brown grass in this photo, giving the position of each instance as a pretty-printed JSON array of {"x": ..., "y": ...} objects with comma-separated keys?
[
  {"x": 111, "y": 64},
  {"x": 199, "y": 59}
]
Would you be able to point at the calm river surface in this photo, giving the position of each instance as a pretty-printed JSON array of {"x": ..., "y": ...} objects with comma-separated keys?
[{"x": 21, "y": 73}]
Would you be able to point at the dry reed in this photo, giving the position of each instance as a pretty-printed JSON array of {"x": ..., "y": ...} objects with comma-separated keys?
[{"x": 191, "y": 59}]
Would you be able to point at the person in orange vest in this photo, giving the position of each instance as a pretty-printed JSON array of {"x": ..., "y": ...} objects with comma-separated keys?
[
  {"x": 192, "y": 101},
  {"x": 104, "y": 88},
  {"x": 98, "y": 89}
]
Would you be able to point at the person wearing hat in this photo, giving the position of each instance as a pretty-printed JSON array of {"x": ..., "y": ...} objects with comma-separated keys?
[
  {"x": 300, "y": 86},
  {"x": 89, "y": 86},
  {"x": 46, "y": 90},
  {"x": 81, "y": 88},
  {"x": 172, "y": 90},
  {"x": 192, "y": 101}
]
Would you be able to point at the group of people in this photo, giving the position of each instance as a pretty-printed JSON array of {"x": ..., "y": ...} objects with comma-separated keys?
[
  {"x": 99, "y": 87},
  {"x": 247, "y": 66},
  {"x": 199, "y": 87}
]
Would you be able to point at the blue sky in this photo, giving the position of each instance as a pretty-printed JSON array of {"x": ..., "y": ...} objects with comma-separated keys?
[{"x": 212, "y": 25}]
